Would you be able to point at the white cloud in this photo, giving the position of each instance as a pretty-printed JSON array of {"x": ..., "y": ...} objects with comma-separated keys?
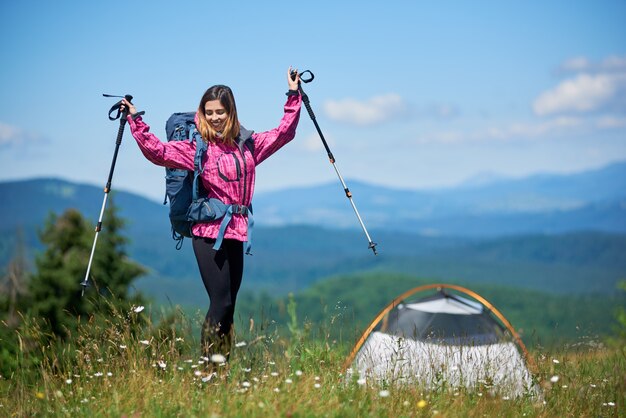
[
  {"x": 584, "y": 93},
  {"x": 9, "y": 135},
  {"x": 613, "y": 63},
  {"x": 12, "y": 136},
  {"x": 598, "y": 86},
  {"x": 519, "y": 131},
  {"x": 376, "y": 110}
]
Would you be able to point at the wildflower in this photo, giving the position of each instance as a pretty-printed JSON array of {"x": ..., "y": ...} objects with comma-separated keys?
[
  {"x": 209, "y": 377},
  {"x": 179, "y": 339},
  {"x": 406, "y": 403},
  {"x": 288, "y": 381},
  {"x": 245, "y": 384},
  {"x": 317, "y": 386},
  {"x": 554, "y": 379},
  {"x": 68, "y": 381},
  {"x": 145, "y": 342},
  {"x": 58, "y": 394},
  {"x": 40, "y": 395},
  {"x": 241, "y": 344},
  {"x": 361, "y": 381},
  {"x": 179, "y": 368},
  {"x": 256, "y": 379},
  {"x": 611, "y": 403},
  {"x": 197, "y": 373},
  {"x": 97, "y": 374},
  {"x": 122, "y": 346},
  {"x": 421, "y": 403},
  {"x": 276, "y": 390},
  {"x": 162, "y": 364},
  {"x": 138, "y": 309},
  {"x": 109, "y": 374},
  {"x": 555, "y": 361},
  {"x": 247, "y": 370},
  {"x": 274, "y": 374},
  {"x": 383, "y": 393},
  {"x": 271, "y": 363},
  {"x": 592, "y": 385},
  {"x": 298, "y": 372},
  {"x": 317, "y": 378},
  {"x": 218, "y": 358},
  {"x": 189, "y": 361}
]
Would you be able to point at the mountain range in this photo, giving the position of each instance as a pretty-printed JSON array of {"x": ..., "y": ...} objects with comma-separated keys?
[{"x": 556, "y": 233}]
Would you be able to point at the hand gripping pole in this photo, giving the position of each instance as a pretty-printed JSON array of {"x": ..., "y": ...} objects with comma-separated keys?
[{"x": 307, "y": 105}]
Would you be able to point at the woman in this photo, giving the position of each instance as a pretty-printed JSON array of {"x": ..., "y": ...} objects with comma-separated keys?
[{"x": 228, "y": 175}]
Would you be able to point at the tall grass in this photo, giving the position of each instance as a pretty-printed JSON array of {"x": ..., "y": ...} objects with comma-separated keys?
[{"x": 117, "y": 368}]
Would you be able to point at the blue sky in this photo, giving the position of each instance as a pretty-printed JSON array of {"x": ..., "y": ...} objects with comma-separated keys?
[{"x": 409, "y": 94}]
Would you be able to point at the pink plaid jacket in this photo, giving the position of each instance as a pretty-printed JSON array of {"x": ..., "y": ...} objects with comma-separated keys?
[{"x": 229, "y": 171}]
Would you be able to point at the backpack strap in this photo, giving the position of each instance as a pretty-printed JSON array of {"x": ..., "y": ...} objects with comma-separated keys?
[{"x": 198, "y": 169}]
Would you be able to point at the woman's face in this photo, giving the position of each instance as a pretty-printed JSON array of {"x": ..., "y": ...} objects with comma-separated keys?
[{"x": 215, "y": 114}]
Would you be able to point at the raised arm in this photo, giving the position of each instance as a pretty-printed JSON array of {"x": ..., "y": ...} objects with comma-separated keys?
[
  {"x": 267, "y": 143},
  {"x": 175, "y": 154}
]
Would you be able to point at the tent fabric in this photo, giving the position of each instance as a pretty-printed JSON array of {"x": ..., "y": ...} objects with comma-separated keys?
[
  {"x": 496, "y": 367},
  {"x": 443, "y": 339}
]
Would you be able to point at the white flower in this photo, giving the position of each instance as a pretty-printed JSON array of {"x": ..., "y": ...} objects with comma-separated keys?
[
  {"x": 179, "y": 339},
  {"x": 138, "y": 309},
  {"x": 145, "y": 342},
  {"x": 247, "y": 370},
  {"x": 98, "y": 374},
  {"x": 218, "y": 358},
  {"x": 317, "y": 386},
  {"x": 317, "y": 378},
  {"x": 241, "y": 344},
  {"x": 197, "y": 373},
  {"x": 288, "y": 381},
  {"x": 245, "y": 384},
  {"x": 361, "y": 381},
  {"x": 276, "y": 390},
  {"x": 611, "y": 404},
  {"x": 109, "y": 374},
  {"x": 122, "y": 346},
  {"x": 383, "y": 393},
  {"x": 555, "y": 361},
  {"x": 189, "y": 361},
  {"x": 298, "y": 372},
  {"x": 68, "y": 381},
  {"x": 209, "y": 377},
  {"x": 554, "y": 379},
  {"x": 162, "y": 364},
  {"x": 274, "y": 374}
]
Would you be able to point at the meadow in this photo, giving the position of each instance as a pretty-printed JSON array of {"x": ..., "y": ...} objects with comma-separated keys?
[{"x": 143, "y": 364}]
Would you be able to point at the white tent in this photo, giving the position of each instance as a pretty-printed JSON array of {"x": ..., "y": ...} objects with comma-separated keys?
[{"x": 443, "y": 339}]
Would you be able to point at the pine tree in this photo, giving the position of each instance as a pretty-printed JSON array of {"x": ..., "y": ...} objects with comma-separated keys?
[{"x": 55, "y": 291}]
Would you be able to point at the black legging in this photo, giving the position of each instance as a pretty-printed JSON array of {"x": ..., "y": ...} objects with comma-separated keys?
[{"x": 221, "y": 272}]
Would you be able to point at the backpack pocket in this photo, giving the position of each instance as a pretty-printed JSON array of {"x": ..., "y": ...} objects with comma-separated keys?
[{"x": 206, "y": 210}]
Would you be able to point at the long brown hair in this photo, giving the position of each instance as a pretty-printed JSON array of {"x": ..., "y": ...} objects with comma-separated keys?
[{"x": 231, "y": 128}]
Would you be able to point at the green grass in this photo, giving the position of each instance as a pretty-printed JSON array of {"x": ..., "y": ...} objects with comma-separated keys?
[{"x": 153, "y": 370}]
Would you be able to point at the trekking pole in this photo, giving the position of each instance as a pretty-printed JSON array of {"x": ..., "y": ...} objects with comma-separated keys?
[
  {"x": 305, "y": 100},
  {"x": 121, "y": 115}
]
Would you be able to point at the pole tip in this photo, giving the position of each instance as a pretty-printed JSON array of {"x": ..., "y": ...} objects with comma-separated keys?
[{"x": 373, "y": 247}]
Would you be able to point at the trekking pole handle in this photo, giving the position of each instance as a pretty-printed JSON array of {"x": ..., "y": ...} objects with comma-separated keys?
[{"x": 118, "y": 105}]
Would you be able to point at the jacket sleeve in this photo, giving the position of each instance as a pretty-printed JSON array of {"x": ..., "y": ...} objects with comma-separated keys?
[
  {"x": 267, "y": 143},
  {"x": 175, "y": 154}
]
